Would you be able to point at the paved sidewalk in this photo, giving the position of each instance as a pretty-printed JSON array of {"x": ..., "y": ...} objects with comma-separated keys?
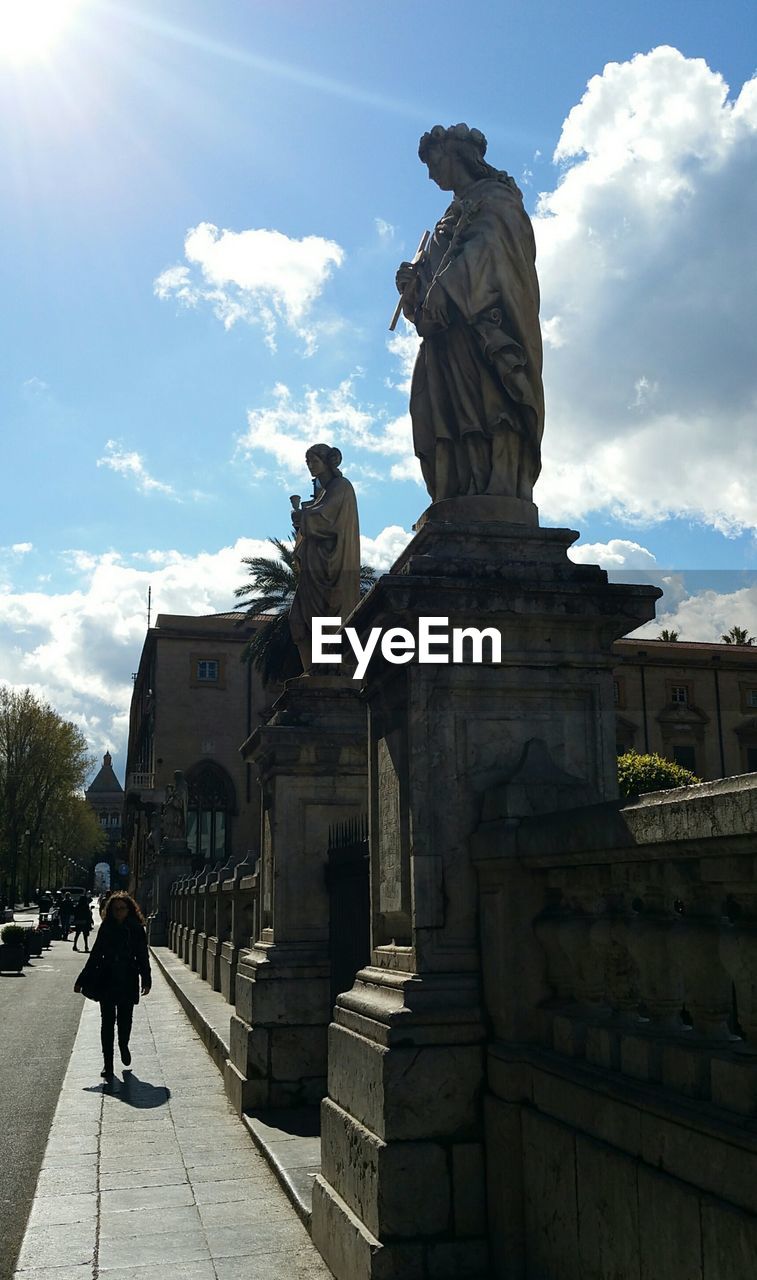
[
  {"x": 156, "y": 1175},
  {"x": 289, "y": 1140}
]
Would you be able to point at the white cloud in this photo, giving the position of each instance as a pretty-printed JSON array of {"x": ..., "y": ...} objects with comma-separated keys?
[
  {"x": 706, "y": 615},
  {"x": 385, "y": 229},
  {"x": 34, "y": 388},
  {"x": 403, "y": 345},
  {"x": 78, "y": 648},
  {"x": 130, "y": 464},
  {"x": 262, "y": 277},
  {"x": 22, "y": 548},
  {"x": 286, "y": 427},
  {"x": 382, "y": 551},
  {"x": 647, "y": 260},
  {"x": 618, "y": 553}
]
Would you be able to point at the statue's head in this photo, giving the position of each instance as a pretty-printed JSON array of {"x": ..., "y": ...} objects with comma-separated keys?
[
  {"x": 452, "y": 152},
  {"x": 323, "y": 458}
]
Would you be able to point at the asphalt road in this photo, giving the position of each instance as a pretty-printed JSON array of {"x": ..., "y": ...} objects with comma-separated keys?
[{"x": 39, "y": 1017}]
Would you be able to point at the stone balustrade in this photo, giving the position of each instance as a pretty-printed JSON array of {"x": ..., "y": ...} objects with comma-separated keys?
[
  {"x": 619, "y": 949},
  {"x": 646, "y": 958},
  {"x": 213, "y": 914}
]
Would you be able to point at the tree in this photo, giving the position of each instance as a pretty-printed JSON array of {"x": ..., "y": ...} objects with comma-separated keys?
[
  {"x": 670, "y": 636},
  {"x": 638, "y": 774},
  {"x": 738, "y": 635},
  {"x": 43, "y": 762},
  {"x": 75, "y": 833},
  {"x": 268, "y": 595}
]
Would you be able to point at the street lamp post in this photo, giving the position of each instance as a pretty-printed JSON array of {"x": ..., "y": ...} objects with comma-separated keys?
[{"x": 27, "y": 886}]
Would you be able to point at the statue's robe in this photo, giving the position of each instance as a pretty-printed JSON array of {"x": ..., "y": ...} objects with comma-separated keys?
[
  {"x": 327, "y": 553},
  {"x": 477, "y": 401}
]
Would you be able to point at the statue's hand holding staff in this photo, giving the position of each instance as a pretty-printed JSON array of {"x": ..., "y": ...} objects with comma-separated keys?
[{"x": 407, "y": 275}]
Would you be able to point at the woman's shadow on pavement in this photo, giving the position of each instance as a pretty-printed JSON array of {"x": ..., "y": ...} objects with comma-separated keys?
[{"x": 133, "y": 1092}]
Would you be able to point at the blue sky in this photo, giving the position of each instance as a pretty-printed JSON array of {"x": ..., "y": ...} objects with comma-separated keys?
[{"x": 202, "y": 211}]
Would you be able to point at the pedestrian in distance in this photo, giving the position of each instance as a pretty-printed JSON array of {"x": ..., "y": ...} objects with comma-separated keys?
[
  {"x": 117, "y": 971},
  {"x": 83, "y": 922},
  {"x": 66, "y": 912}
]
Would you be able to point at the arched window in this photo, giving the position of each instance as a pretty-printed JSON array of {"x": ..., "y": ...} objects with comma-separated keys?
[{"x": 211, "y": 804}]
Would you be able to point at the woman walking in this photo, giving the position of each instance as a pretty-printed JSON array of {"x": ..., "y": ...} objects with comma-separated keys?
[
  {"x": 83, "y": 922},
  {"x": 117, "y": 968}
]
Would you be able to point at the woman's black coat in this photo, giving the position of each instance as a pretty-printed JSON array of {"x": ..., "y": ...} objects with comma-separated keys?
[{"x": 119, "y": 958}]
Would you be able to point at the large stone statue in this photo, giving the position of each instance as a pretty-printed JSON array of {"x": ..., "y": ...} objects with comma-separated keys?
[
  {"x": 174, "y": 811},
  {"x": 477, "y": 401},
  {"x": 326, "y": 550}
]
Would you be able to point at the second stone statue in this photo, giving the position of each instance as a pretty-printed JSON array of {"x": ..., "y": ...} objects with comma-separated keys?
[{"x": 326, "y": 550}]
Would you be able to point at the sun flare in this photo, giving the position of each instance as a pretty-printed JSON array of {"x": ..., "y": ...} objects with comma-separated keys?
[{"x": 30, "y": 29}]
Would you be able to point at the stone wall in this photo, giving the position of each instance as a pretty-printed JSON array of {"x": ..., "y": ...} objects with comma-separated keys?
[{"x": 619, "y": 945}]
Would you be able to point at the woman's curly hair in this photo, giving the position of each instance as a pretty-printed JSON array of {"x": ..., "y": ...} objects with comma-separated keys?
[{"x": 123, "y": 896}]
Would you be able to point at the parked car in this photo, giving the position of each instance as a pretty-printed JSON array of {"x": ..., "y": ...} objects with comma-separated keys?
[{"x": 76, "y": 890}]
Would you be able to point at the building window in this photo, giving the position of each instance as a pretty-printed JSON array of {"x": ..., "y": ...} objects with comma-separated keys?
[
  {"x": 211, "y": 803},
  {"x": 679, "y": 694},
  {"x": 751, "y": 759},
  {"x": 751, "y": 699},
  {"x": 686, "y": 756},
  {"x": 207, "y": 670}
]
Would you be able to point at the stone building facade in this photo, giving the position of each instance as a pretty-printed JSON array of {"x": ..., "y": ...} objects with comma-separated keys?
[
  {"x": 194, "y": 703},
  {"x": 106, "y": 796},
  {"x": 692, "y": 703}
]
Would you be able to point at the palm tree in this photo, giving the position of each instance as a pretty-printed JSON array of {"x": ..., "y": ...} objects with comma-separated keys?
[
  {"x": 268, "y": 594},
  {"x": 738, "y": 635},
  {"x": 670, "y": 636}
]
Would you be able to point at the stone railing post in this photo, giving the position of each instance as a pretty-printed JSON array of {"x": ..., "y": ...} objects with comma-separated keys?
[
  {"x": 243, "y": 894},
  {"x": 218, "y": 895},
  {"x": 192, "y": 910}
]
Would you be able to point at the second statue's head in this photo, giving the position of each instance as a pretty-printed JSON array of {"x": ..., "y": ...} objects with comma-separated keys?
[{"x": 323, "y": 460}]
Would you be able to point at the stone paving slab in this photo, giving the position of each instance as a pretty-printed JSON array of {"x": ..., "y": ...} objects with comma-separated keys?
[{"x": 154, "y": 1174}]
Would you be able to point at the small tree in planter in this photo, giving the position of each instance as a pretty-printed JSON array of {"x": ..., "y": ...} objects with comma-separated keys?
[{"x": 12, "y": 948}]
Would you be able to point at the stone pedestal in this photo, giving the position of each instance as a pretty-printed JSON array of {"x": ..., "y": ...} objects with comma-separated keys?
[
  {"x": 311, "y": 758},
  {"x": 173, "y": 861},
  {"x": 402, "y": 1190}
]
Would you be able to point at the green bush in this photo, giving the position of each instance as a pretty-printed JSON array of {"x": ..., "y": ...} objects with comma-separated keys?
[
  {"x": 13, "y": 935},
  {"x": 638, "y": 774}
]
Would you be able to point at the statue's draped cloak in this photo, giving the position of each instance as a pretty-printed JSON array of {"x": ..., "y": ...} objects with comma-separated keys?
[
  {"x": 327, "y": 552},
  {"x": 477, "y": 402}
]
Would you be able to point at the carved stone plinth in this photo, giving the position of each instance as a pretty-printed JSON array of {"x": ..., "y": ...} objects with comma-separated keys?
[
  {"x": 311, "y": 758},
  {"x": 173, "y": 861},
  {"x": 402, "y": 1187}
]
